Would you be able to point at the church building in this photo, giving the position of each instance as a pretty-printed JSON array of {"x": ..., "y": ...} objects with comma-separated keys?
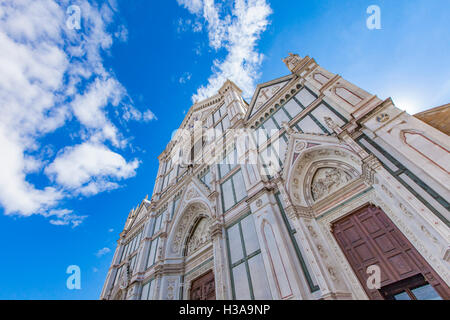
[{"x": 315, "y": 189}]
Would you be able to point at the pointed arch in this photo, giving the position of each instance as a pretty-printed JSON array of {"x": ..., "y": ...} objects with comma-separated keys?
[
  {"x": 320, "y": 171},
  {"x": 183, "y": 226},
  {"x": 198, "y": 235}
]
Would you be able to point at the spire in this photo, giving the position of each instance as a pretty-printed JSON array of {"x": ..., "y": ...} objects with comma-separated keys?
[{"x": 292, "y": 61}]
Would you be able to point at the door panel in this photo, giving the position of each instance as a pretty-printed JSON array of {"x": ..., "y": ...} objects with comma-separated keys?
[
  {"x": 203, "y": 288},
  {"x": 368, "y": 237}
]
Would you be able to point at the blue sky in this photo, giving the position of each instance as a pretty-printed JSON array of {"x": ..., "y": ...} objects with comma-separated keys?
[{"x": 85, "y": 112}]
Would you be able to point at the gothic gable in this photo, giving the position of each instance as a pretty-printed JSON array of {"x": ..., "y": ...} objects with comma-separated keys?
[
  {"x": 196, "y": 190},
  {"x": 301, "y": 142},
  {"x": 264, "y": 92},
  {"x": 136, "y": 215}
]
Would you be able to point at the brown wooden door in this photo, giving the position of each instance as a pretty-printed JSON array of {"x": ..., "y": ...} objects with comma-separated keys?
[
  {"x": 203, "y": 288},
  {"x": 368, "y": 237}
]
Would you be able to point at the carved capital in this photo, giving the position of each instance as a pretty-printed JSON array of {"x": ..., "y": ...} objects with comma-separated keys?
[
  {"x": 299, "y": 212},
  {"x": 290, "y": 212},
  {"x": 216, "y": 229},
  {"x": 369, "y": 167},
  {"x": 304, "y": 212}
]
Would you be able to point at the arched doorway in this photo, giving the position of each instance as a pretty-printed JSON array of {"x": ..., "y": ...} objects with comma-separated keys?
[
  {"x": 198, "y": 250},
  {"x": 190, "y": 241}
]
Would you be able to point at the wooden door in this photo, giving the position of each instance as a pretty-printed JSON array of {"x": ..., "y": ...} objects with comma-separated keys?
[
  {"x": 203, "y": 288},
  {"x": 368, "y": 237}
]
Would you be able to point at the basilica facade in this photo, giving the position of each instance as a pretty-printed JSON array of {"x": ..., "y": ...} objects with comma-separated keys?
[{"x": 315, "y": 189}]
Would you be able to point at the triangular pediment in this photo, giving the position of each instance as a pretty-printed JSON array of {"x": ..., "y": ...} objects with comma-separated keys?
[
  {"x": 265, "y": 92},
  {"x": 195, "y": 190},
  {"x": 301, "y": 142},
  {"x": 137, "y": 214}
]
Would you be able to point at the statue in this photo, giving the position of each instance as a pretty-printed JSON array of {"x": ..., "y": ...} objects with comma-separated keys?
[
  {"x": 125, "y": 278},
  {"x": 332, "y": 125}
]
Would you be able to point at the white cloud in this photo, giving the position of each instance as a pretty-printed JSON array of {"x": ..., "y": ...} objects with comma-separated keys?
[
  {"x": 122, "y": 33},
  {"x": 237, "y": 33},
  {"x": 102, "y": 252},
  {"x": 65, "y": 217},
  {"x": 131, "y": 113},
  {"x": 148, "y": 115},
  {"x": 184, "y": 25},
  {"x": 88, "y": 168},
  {"x": 194, "y": 6},
  {"x": 51, "y": 75},
  {"x": 185, "y": 77},
  {"x": 88, "y": 107}
]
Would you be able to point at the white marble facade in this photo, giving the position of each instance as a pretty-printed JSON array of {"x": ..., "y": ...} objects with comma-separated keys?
[{"x": 269, "y": 236}]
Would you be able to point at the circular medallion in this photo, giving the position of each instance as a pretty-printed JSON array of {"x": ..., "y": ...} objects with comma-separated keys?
[{"x": 383, "y": 117}]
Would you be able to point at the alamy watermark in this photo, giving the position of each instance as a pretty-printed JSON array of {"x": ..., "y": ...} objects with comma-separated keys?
[
  {"x": 374, "y": 280},
  {"x": 202, "y": 146},
  {"x": 73, "y": 21},
  {"x": 74, "y": 280},
  {"x": 373, "y": 22}
]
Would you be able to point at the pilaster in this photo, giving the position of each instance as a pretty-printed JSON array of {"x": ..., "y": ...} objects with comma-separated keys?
[
  {"x": 282, "y": 275},
  {"x": 220, "y": 261}
]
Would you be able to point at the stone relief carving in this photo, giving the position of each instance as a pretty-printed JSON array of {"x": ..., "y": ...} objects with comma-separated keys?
[
  {"x": 328, "y": 180},
  {"x": 299, "y": 146},
  {"x": 321, "y": 251},
  {"x": 429, "y": 235},
  {"x": 171, "y": 284},
  {"x": 332, "y": 273},
  {"x": 194, "y": 210},
  {"x": 191, "y": 194},
  {"x": 310, "y": 161},
  {"x": 199, "y": 237},
  {"x": 312, "y": 231},
  {"x": 332, "y": 125},
  {"x": 125, "y": 277},
  {"x": 405, "y": 210},
  {"x": 383, "y": 117}
]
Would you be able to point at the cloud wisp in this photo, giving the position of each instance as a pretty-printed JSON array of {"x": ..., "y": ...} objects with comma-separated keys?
[
  {"x": 52, "y": 78},
  {"x": 102, "y": 252},
  {"x": 236, "y": 31}
]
